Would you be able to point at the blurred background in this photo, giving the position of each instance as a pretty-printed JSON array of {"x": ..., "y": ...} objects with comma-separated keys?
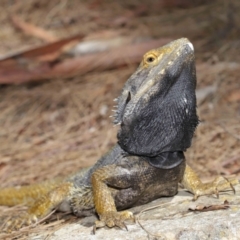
[{"x": 63, "y": 62}]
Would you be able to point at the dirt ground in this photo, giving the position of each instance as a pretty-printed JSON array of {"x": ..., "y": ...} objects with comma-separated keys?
[{"x": 52, "y": 128}]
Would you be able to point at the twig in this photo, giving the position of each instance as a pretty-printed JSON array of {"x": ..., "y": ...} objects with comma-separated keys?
[
  {"x": 33, "y": 30},
  {"x": 151, "y": 208},
  {"x": 230, "y": 133}
]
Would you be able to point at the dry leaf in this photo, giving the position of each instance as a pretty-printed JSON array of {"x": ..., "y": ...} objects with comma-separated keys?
[
  {"x": 205, "y": 208},
  {"x": 32, "y": 30}
]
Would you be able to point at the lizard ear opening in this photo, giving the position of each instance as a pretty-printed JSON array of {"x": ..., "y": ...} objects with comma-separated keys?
[{"x": 128, "y": 98}]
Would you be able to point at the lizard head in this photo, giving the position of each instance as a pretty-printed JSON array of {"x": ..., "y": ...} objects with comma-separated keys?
[{"x": 157, "y": 107}]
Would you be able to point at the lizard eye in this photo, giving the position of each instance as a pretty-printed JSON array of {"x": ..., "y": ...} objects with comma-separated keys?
[{"x": 150, "y": 58}]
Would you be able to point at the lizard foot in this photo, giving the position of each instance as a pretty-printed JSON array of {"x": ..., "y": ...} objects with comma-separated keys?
[
  {"x": 218, "y": 185},
  {"x": 112, "y": 219},
  {"x": 14, "y": 223},
  {"x": 193, "y": 184}
]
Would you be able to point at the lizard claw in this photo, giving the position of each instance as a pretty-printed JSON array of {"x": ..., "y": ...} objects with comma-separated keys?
[
  {"x": 14, "y": 223},
  {"x": 231, "y": 183},
  {"x": 218, "y": 185},
  {"x": 113, "y": 219}
]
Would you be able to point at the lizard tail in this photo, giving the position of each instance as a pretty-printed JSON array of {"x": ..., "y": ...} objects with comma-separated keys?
[{"x": 26, "y": 194}]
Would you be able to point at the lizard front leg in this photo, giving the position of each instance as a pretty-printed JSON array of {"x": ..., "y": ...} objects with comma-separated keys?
[
  {"x": 103, "y": 199},
  {"x": 193, "y": 184},
  {"x": 39, "y": 209}
]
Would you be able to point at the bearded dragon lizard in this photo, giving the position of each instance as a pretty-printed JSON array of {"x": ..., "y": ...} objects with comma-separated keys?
[{"x": 156, "y": 111}]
